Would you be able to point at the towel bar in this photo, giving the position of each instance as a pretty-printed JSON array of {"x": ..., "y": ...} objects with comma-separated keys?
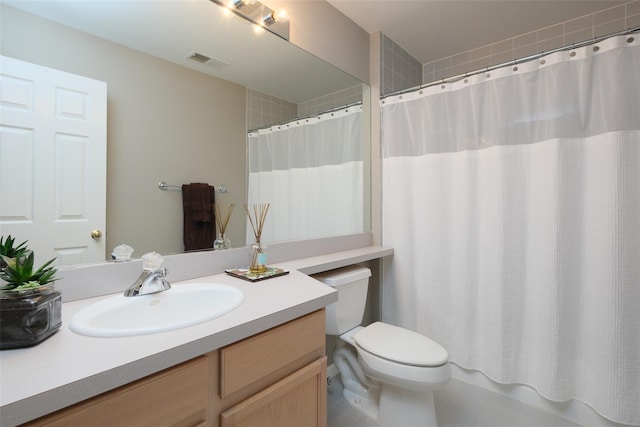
[{"x": 164, "y": 187}]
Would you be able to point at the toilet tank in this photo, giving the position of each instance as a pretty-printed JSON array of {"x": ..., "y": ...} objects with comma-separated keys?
[{"x": 352, "y": 284}]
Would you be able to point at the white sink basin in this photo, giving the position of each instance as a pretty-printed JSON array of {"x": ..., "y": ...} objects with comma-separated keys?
[{"x": 181, "y": 306}]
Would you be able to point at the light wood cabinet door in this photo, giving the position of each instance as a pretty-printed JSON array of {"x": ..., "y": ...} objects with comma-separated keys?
[
  {"x": 176, "y": 397},
  {"x": 254, "y": 363},
  {"x": 297, "y": 400}
]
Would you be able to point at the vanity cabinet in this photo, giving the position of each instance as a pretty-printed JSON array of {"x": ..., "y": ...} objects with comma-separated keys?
[
  {"x": 277, "y": 378},
  {"x": 274, "y": 378}
]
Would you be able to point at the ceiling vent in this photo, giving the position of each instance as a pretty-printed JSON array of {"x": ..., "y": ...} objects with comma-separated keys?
[{"x": 207, "y": 60}]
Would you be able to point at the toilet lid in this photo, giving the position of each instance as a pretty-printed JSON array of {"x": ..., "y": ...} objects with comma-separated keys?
[{"x": 400, "y": 345}]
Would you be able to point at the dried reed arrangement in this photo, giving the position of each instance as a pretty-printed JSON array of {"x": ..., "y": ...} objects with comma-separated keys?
[
  {"x": 259, "y": 216},
  {"x": 222, "y": 221}
]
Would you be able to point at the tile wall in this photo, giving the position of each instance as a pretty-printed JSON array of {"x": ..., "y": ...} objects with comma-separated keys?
[
  {"x": 333, "y": 100},
  {"x": 604, "y": 22},
  {"x": 398, "y": 69},
  {"x": 265, "y": 110}
]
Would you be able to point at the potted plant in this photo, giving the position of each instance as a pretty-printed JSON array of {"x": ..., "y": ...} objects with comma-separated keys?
[
  {"x": 8, "y": 250},
  {"x": 18, "y": 273},
  {"x": 30, "y": 307}
]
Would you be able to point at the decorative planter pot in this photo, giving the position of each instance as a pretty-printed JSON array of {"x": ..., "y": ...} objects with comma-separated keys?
[{"x": 29, "y": 316}]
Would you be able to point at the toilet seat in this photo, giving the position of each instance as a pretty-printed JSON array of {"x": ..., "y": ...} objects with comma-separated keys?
[
  {"x": 400, "y": 345},
  {"x": 402, "y": 357}
]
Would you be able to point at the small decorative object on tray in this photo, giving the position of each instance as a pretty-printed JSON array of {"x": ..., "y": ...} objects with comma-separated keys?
[
  {"x": 258, "y": 251},
  {"x": 248, "y": 274}
]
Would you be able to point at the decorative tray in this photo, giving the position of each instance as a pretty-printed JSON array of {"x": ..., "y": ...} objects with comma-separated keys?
[{"x": 244, "y": 273}]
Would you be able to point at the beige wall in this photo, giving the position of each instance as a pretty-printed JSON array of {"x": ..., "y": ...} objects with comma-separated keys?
[
  {"x": 319, "y": 28},
  {"x": 164, "y": 122}
]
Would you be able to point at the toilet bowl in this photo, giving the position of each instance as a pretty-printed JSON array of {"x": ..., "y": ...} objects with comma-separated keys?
[{"x": 388, "y": 373}]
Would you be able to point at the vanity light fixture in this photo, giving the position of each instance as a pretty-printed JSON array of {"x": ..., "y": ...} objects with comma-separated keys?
[
  {"x": 269, "y": 18},
  {"x": 237, "y": 4},
  {"x": 259, "y": 14}
]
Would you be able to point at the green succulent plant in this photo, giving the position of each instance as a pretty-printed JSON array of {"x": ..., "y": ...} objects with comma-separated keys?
[
  {"x": 19, "y": 273},
  {"x": 7, "y": 249}
]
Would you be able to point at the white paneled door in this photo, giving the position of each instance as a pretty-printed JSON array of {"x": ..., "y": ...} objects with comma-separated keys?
[{"x": 53, "y": 138}]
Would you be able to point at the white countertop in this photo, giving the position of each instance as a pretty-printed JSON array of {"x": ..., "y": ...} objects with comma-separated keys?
[{"x": 68, "y": 368}]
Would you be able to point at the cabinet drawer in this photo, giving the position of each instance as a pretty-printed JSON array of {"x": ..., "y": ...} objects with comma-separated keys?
[
  {"x": 177, "y": 396},
  {"x": 260, "y": 360}
]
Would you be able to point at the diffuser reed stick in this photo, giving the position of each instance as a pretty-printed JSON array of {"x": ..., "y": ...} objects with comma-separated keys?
[
  {"x": 257, "y": 221},
  {"x": 222, "y": 221}
]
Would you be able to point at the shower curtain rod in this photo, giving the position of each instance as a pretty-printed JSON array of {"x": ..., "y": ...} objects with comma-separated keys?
[
  {"x": 512, "y": 62},
  {"x": 331, "y": 110}
]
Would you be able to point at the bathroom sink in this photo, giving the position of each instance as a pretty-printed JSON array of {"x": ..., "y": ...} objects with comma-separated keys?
[{"x": 181, "y": 306}]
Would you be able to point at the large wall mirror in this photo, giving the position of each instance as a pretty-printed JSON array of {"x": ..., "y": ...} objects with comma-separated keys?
[{"x": 173, "y": 116}]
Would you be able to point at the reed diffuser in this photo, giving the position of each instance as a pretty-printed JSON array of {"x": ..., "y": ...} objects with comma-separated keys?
[
  {"x": 222, "y": 221},
  {"x": 258, "y": 251}
]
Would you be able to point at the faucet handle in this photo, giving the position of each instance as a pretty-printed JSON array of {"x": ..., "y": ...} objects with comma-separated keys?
[{"x": 152, "y": 261}]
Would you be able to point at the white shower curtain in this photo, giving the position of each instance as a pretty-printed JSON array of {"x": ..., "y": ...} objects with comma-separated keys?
[
  {"x": 512, "y": 202},
  {"x": 311, "y": 172}
]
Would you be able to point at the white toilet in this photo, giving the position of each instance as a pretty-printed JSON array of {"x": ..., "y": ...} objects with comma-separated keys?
[{"x": 389, "y": 373}]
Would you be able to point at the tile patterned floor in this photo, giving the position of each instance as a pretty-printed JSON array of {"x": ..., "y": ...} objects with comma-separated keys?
[{"x": 458, "y": 404}]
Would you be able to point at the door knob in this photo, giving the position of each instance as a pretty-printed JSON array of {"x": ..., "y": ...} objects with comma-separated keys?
[{"x": 96, "y": 234}]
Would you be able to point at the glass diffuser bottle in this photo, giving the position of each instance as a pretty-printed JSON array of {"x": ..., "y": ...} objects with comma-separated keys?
[
  {"x": 258, "y": 250},
  {"x": 258, "y": 257}
]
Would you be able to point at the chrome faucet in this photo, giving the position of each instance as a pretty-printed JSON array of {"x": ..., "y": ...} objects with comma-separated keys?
[
  {"x": 149, "y": 282},
  {"x": 152, "y": 279}
]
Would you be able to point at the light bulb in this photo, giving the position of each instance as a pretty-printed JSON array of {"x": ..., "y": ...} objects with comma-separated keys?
[{"x": 281, "y": 16}]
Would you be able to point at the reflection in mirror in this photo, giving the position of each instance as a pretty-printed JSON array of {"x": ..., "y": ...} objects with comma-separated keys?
[
  {"x": 170, "y": 118},
  {"x": 311, "y": 171}
]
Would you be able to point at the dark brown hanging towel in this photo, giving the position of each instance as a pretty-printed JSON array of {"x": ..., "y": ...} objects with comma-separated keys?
[{"x": 199, "y": 222}]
